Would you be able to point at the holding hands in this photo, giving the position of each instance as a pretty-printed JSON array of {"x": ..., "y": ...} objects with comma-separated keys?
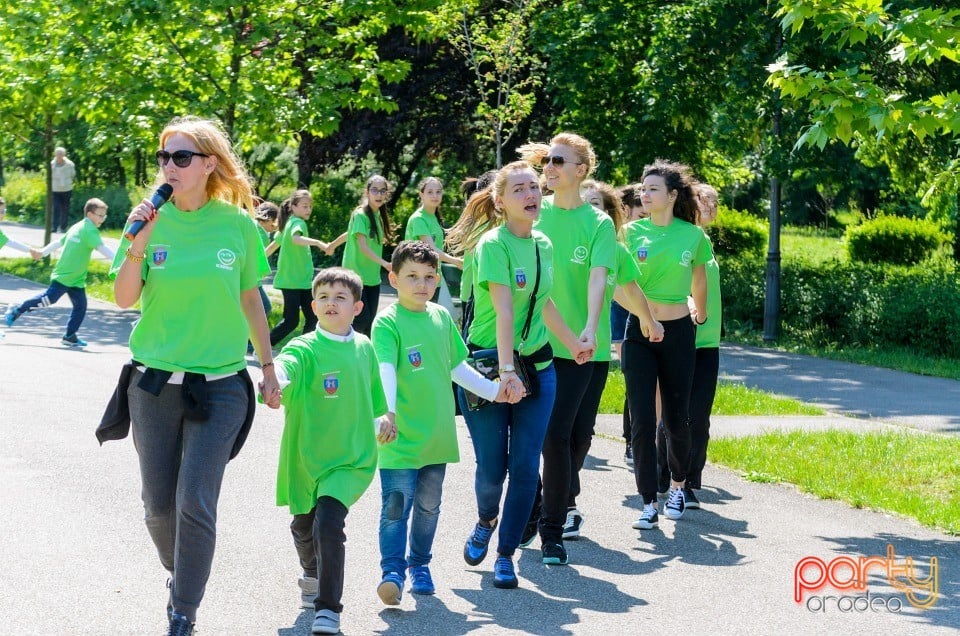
[
  {"x": 585, "y": 347},
  {"x": 653, "y": 331},
  {"x": 387, "y": 431},
  {"x": 511, "y": 389}
]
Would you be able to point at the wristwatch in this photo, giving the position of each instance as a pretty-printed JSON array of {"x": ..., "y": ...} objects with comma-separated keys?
[{"x": 507, "y": 368}]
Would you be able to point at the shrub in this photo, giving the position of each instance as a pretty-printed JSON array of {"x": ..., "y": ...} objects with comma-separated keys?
[
  {"x": 736, "y": 233},
  {"x": 25, "y": 193},
  {"x": 895, "y": 240}
]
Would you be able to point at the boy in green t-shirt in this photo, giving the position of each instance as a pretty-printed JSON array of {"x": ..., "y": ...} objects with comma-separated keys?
[
  {"x": 419, "y": 348},
  {"x": 70, "y": 273},
  {"x": 332, "y": 397}
]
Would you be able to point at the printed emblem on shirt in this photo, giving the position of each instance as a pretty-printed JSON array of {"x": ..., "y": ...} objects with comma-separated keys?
[
  {"x": 413, "y": 355},
  {"x": 159, "y": 256},
  {"x": 520, "y": 277},
  {"x": 227, "y": 258},
  {"x": 579, "y": 255},
  {"x": 686, "y": 258},
  {"x": 330, "y": 385},
  {"x": 642, "y": 254}
]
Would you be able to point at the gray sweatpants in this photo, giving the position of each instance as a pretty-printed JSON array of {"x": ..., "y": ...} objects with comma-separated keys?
[{"x": 181, "y": 468}]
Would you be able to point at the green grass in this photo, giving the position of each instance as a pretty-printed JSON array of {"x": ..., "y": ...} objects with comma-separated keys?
[
  {"x": 911, "y": 474},
  {"x": 814, "y": 246},
  {"x": 99, "y": 284},
  {"x": 732, "y": 399}
]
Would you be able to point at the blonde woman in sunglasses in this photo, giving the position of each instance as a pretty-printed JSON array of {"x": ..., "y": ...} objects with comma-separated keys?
[{"x": 194, "y": 268}]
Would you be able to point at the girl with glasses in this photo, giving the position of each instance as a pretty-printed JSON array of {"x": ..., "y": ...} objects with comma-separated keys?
[
  {"x": 194, "y": 268},
  {"x": 368, "y": 230},
  {"x": 424, "y": 225}
]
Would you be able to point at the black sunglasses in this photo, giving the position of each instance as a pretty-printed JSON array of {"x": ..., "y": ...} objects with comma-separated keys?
[
  {"x": 181, "y": 158},
  {"x": 557, "y": 160}
]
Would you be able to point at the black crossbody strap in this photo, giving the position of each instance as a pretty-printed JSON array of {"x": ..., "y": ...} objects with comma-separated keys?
[{"x": 533, "y": 297}]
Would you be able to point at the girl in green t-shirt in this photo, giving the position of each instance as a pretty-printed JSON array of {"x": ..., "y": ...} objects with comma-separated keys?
[
  {"x": 424, "y": 225},
  {"x": 194, "y": 267},
  {"x": 671, "y": 253},
  {"x": 295, "y": 265},
  {"x": 367, "y": 232},
  {"x": 511, "y": 260},
  {"x": 584, "y": 242}
]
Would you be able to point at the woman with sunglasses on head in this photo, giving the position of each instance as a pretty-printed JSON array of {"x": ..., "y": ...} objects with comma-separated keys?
[
  {"x": 671, "y": 252},
  {"x": 194, "y": 267},
  {"x": 294, "y": 276},
  {"x": 369, "y": 229},
  {"x": 584, "y": 243}
]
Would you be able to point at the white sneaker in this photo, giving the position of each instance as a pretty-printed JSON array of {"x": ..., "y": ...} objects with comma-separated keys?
[
  {"x": 573, "y": 524},
  {"x": 648, "y": 518},
  {"x": 308, "y": 591}
]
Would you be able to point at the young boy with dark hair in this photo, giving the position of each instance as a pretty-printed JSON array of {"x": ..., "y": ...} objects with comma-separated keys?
[
  {"x": 70, "y": 273},
  {"x": 332, "y": 397},
  {"x": 420, "y": 349}
]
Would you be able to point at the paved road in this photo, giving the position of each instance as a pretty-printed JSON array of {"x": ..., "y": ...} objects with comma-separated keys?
[{"x": 78, "y": 560}]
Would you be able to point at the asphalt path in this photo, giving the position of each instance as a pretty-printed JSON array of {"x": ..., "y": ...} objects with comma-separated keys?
[{"x": 79, "y": 561}]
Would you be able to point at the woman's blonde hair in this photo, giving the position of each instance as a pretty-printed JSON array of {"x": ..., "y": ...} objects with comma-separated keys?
[
  {"x": 481, "y": 210},
  {"x": 534, "y": 152},
  {"x": 229, "y": 180},
  {"x": 612, "y": 202}
]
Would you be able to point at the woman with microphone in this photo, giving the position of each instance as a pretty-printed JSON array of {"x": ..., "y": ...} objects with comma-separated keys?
[{"x": 194, "y": 266}]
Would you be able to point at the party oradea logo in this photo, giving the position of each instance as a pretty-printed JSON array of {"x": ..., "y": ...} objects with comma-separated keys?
[{"x": 812, "y": 576}]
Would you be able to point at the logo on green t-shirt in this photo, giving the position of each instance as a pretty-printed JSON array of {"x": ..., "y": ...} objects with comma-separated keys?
[
  {"x": 580, "y": 254},
  {"x": 415, "y": 358},
  {"x": 330, "y": 384},
  {"x": 226, "y": 258},
  {"x": 521, "y": 278},
  {"x": 686, "y": 258}
]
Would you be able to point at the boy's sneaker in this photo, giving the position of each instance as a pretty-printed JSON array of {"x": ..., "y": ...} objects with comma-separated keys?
[
  {"x": 73, "y": 341},
  {"x": 628, "y": 455},
  {"x": 422, "y": 581},
  {"x": 575, "y": 521},
  {"x": 691, "y": 498},
  {"x": 554, "y": 554},
  {"x": 675, "y": 505},
  {"x": 10, "y": 316},
  {"x": 180, "y": 625},
  {"x": 326, "y": 622},
  {"x": 648, "y": 518},
  {"x": 308, "y": 591},
  {"x": 529, "y": 533},
  {"x": 504, "y": 576},
  {"x": 475, "y": 549},
  {"x": 390, "y": 590}
]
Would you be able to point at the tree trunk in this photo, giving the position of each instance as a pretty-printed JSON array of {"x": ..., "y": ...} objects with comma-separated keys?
[
  {"x": 48, "y": 153},
  {"x": 771, "y": 304}
]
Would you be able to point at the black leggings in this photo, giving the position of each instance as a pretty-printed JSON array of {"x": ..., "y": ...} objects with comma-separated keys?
[
  {"x": 319, "y": 537},
  {"x": 671, "y": 362},
  {"x": 579, "y": 387},
  {"x": 295, "y": 302},
  {"x": 364, "y": 320}
]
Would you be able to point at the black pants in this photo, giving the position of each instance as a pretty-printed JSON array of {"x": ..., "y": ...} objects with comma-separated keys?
[
  {"x": 319, "y": 539},
  {"x": 364, "y": 320},
  {"x": 582, "y": 436},
  {"x": 295, "y": 302},
  {"x": 61, "y": 210},
  {"x": 573, "y": 417},
  {"x": 671, "y": 361}
]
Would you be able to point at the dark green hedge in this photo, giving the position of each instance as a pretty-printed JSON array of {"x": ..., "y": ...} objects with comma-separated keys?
[
  {"x": 894, "y": 239},
  {"x": 737, "y": 234},
  {"x": 851, "y": 304}
]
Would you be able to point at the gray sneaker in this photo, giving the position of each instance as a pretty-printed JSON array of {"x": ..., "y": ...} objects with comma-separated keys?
[
  {"x": 308, "y": 591},
  {"x": 326, "y": 622}
]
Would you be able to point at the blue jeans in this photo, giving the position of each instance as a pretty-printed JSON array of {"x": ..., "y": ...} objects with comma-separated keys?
[
  {"x": 78, "y": 296},
  {"x": 403, "y": 490},
  {"x": 509, "y": 438}
]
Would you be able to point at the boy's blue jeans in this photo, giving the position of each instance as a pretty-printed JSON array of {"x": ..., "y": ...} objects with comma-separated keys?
[
  {"x": 508, "y": 438},
  {"x": 416, "y": 490},
  {"x": 78, "y": 296}
]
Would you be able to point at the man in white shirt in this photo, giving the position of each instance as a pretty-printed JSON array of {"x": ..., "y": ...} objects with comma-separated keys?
[{"x": 62, "y": 171}]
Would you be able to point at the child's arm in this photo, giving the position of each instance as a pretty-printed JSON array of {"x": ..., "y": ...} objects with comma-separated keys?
[
  {"x": 49, "y": 248},
  {"x": 386, "y": 426},
  {"x": 270, "y": 249},
  {"x": 366, "y": 251},
  {"x": 308, "y": 242},
  {"x": 104, "y": 249},
  {"x": 471, "y": 380},
  {"x": 335, "y": 243}
]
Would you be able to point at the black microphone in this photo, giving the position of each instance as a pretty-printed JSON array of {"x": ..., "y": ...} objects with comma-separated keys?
[{"x": 159, "y": 198}]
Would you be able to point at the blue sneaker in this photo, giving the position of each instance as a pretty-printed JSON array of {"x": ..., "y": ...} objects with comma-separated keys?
[
  {"x": 73, "y": 341},
  {"x": 475, "y": 550},
  {"x": 504, "y": 576},
  {"x": 390, "y": 589},
  {"x": 422, "y": 581},
  {"x": 180, "y": 625},
  {"x": 10, "y": 316}
]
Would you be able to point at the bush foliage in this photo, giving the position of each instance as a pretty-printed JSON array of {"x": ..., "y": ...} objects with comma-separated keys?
[
  {"x": 894, "y": 239},
  {"x": 737, "y": 234}
]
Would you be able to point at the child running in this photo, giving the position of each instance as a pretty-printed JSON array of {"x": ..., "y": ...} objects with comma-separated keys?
[
  {"x": 328, "y": 453},
  {"x": 70, "y": 273},
  {"x": 419, "y": 348}
]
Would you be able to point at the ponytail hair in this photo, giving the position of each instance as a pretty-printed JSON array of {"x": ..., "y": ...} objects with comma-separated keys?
[
  {"x": 286, "y": 208},
  {"x": 481, "y": 210}
]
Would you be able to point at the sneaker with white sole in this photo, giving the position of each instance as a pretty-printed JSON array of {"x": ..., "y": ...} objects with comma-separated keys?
[
  {"x": 691, "y": 498},
  {"x": 675, "y": 505},
  {"x": 573, "y": 524},
  {"x": 73, "y": 341},
  {"x": 648, "y": 518},
  {"x": 628, "y": 455},
  {"x": 308, "y": 591},
  {"x": 326, "y": 622}
]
